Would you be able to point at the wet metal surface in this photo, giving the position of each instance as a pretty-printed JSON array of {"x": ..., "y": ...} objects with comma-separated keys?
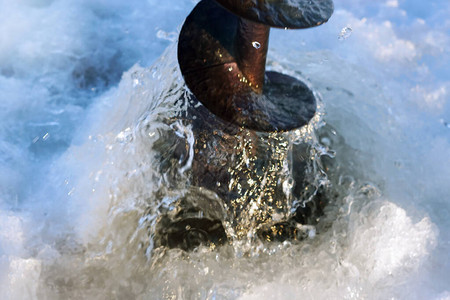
[
  {"x": 222, "y": 58},
  {"x": 282, "y": 13}
]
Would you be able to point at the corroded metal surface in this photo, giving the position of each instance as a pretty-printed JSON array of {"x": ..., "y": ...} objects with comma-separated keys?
[
  {"x": 252, "y": 43},
  {"x": 282, "y": 13},
  {"x": 222, "y": 58}
]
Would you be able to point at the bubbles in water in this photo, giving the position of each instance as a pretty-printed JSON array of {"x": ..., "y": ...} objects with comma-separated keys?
[
  {"x": 256, "y": 45},
  {"x": 345, "y": 33}
]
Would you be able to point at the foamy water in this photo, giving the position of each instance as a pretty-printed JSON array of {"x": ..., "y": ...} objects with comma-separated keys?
[{"x": 85, "y": 89}]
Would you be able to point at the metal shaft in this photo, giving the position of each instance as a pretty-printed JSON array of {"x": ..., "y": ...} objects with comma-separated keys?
[
  {"x": 252, "y": 44},
  {"x": 222, "y": 52}
]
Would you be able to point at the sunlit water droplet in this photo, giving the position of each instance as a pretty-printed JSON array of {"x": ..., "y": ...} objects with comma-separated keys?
[
  {"x": 345, "y": 33},
  {"x": 46, "y": 136},
  {"x": 256, "y": 45}
]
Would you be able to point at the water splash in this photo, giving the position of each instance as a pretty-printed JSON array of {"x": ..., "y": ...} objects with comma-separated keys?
[
  {"x": 124, "y": 185},
  {"x": 345, "y": 33}
]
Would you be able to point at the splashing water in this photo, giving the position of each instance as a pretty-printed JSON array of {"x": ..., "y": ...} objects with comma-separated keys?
[
  {"x": 345, "y": 33},
  {"x": 87, "y": 229},
  {"x": 132, "y": 185}
]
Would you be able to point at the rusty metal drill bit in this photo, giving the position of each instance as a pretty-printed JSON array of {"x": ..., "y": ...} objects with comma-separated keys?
[{"x": 222, "y": 55}]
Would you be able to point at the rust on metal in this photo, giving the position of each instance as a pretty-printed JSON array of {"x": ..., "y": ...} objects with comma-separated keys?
[{"x": 222, "y": 54}]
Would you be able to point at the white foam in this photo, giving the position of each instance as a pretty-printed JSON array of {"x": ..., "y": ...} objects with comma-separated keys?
[
  {"x": 23, "y": 279},
  {"x": 11, "y": 234},
  {"x": 71, "y": 209},
  {"x": 380, "y": 247}
]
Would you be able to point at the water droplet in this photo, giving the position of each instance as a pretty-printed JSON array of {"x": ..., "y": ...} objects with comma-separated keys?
[
  {"x": 345, "y": 33},
  {"x": 256, "y": 45},
  {"x": 46, "y": 136}
]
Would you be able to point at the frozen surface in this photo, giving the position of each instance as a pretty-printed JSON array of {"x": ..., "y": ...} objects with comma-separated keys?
[{"x": 83, "y": 88}]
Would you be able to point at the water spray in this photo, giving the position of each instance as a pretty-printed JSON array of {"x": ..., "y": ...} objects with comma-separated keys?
[{"x": 239, "y": 177}]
